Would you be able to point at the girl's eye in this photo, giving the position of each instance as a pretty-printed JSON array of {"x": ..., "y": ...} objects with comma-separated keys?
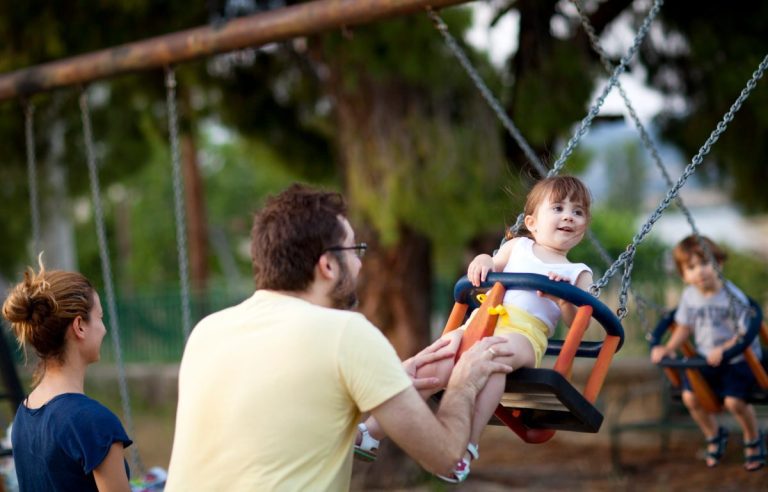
[
  {"x": 557, "y": 208},
  {"x": 579, "y": 212}
]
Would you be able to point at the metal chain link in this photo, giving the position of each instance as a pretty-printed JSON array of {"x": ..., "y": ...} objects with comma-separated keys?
[
  {"x": 689, "y": 170},
  {"x": 515, "y": 132},
  {"x": 106, "y": 270},
  {"x": 496, "y": 106},
  {"x": 652, "y": 149},
  {"x": 29, "y": 132},
  {"x": 587, "y": 121},
  {"x": 178, "y": 202},
  {"x": 494, "y": 103}
]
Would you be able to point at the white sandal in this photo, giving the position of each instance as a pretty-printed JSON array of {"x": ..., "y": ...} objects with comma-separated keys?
[
  {"x": 461, "y": 470},
  {"x": 368, "y": 446}
]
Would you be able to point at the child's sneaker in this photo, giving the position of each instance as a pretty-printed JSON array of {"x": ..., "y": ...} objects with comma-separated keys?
[{"x": 368, "y": 447}]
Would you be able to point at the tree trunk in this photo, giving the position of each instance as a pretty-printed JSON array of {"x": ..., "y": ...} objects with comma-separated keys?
[
  {"x": 395, "y": 284},
  {"x": 394, "y": 291},
  {"x": 196, "y": 218}
]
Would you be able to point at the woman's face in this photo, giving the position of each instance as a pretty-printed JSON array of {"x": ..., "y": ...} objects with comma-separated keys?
[{"x": 95, "y": 330}]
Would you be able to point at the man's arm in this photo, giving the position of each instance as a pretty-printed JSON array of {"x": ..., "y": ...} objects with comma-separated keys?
[{"x": 438, "y": 441}]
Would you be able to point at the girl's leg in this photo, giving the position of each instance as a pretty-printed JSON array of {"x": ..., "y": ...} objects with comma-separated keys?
[
  {"x": 488, "y": 399},
  {"x": 440, "y": 369}
]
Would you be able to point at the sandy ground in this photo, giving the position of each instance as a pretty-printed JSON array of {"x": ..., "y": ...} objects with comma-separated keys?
[{"x": 571, "y": 463}]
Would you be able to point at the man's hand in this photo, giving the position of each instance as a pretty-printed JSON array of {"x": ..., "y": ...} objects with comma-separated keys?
[
  {"x": 477, "y": 364},
  {"x": 432, "y": 353}
]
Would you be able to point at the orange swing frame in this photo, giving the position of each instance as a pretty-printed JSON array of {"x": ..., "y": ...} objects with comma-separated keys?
[{"x": 484, "y": 323}]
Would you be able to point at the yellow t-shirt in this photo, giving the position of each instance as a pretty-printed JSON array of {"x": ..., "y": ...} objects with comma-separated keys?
[{"x": 270, "y": 393}]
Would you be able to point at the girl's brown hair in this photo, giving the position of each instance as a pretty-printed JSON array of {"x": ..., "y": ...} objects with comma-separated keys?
[
  {"x": 42, "y": 306},
  {"x": 557, "y": 188}
]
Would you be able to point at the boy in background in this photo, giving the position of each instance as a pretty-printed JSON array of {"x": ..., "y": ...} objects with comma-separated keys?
[{"x": 704, "y": 311}]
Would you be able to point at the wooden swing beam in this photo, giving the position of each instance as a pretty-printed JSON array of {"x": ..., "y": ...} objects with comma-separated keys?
[{"x": 256, "y": 30}]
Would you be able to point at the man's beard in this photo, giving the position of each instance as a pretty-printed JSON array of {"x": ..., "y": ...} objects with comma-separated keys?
[{"x": 344, "y": 293}]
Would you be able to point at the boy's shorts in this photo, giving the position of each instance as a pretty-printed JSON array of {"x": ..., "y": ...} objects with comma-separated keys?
[{"x": 735, "y": 380}]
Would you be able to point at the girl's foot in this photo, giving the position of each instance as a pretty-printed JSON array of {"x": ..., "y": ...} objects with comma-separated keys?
[
  {"x": 368, "y": 446},
  {"x": 461, "y": 470}
]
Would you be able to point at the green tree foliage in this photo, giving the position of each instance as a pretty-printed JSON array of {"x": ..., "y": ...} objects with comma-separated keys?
[
  {"x": 704, "y": 55},
  {"x": 36, "y": 32},
  {"x": 419, "y": 147}
]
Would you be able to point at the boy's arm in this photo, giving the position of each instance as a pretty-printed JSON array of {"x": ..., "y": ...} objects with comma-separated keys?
[
  {"x": 676, "y": 340},
  {"x": 715, "y": 356}
]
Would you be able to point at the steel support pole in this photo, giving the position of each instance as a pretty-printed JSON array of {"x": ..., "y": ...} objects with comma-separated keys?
[{"x": 256, "y": 30}]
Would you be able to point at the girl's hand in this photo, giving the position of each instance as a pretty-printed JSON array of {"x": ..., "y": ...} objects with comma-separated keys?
[
  {"x": 556, "y": 277},
  {"x": 478, "y": 270}
]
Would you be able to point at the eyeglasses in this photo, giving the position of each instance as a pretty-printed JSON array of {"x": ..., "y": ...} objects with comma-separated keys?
[{"x": 359, "y": 249}]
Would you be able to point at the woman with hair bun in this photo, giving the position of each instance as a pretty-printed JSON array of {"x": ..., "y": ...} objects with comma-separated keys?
[{"x": 62, "y": 439}]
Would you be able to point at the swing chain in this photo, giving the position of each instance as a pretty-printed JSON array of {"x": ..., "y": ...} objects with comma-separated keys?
[
  {"x": 178, "y": 201},
  {"x": 620, "y": 69},
  {"x": 29, "y": 132},
  {"x": 626, "y": 281},
  {"x": 651, "y": 147},
  {"x": 642, "y": 307},
  {"x": 689, "y": 170},
  {"x": 481, "y": 86},
  {"x": 595, "y": 109},
  {"x": 594, "y": 290},
  {"x": 106, "y": 270}
]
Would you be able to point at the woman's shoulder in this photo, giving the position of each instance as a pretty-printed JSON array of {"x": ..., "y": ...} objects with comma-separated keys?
[{"x": 79, "y": 406}]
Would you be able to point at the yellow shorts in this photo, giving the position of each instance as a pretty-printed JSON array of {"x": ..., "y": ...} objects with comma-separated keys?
[{"x": 516, "y": 320}]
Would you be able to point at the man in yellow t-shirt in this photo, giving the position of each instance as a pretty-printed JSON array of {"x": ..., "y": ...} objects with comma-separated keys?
[{"x": 271, "y": 390}]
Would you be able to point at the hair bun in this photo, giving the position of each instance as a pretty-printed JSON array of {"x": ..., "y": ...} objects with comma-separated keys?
[
  {"x": 23, "y": 307},
  {"x": 39, "y": 308}
]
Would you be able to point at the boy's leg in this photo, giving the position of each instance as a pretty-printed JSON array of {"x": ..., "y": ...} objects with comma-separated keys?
[
  {"x": 744, "y": 415},
  {"x": 705, "y": 420},
  {"x": 707, "y": 424},
  {"x": 738, "y": 381}
]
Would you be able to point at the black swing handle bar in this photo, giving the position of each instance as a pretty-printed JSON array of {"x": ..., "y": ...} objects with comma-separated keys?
[
  {"x": 462, "y": 293},
  {"x": 745, "y": 341}
]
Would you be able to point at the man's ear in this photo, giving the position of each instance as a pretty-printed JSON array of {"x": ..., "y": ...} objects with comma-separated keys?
[
  {"x": 77, "y": 327},
  {"x": 326, "y": 267}
]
